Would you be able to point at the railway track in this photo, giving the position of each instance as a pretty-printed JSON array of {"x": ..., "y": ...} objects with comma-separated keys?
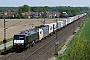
[
  {"x": 49, "y": 45},
  {"x": 43, "y": 50}
]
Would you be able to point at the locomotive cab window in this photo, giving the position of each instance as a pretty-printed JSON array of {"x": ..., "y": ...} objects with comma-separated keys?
[{"x": 21, "y": 38}]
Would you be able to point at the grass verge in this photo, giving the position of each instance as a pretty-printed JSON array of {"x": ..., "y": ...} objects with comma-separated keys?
[
  {"x": 79, "y": 47},
  {"x": 8, "y": 50},
  {"x": 8, "y": 40}
]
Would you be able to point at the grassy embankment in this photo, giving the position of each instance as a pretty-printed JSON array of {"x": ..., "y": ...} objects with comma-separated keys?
[
  {"x": 79, "y": 47},
  {"x": 8, "y": 40},
  {"x": 8, "y": 49}
]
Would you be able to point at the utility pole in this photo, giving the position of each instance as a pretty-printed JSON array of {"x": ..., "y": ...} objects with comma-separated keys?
[
  {"x": 59, "y": 17},
  {"x": 44, "y": 17},
  {"x": 56, "y": 41},
  {"x": 73, "y": 25},
  {"x": 4, "y": 41},
  {"x": 79, "y": 21}
]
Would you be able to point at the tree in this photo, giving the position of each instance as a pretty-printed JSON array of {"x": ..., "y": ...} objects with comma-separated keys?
[
  {"x": 72, "y": 11},
  {"x": 17, "y": 16},
  {"x": 70, "y": 14},
  {"x": 19, "y": 9},
  {"x": 40, "y": 9},
  {"x": 24, "y": 8}
]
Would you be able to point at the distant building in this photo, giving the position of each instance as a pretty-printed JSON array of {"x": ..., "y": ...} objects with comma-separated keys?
[
  {"x": 64, "y": 15},
  {"x": 9, "y": 13},
  {"x": 26, "y": 14},
  {"x": 35, "y": 14},
  {"x": 53, "y": 14}
]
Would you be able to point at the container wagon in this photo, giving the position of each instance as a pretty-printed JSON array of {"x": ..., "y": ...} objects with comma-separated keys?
[
  {"x": 60, "y": 24},
  {"x": 50, "y": 28}
]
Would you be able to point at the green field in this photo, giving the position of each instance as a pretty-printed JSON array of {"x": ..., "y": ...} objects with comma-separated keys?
[{"x": 79, "y": 47}]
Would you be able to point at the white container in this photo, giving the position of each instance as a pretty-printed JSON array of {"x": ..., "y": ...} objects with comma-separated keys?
[
  {"x": 40, "y": 34},
  {"x": 60, "y": 24},
  {"x": 64, "y": 22},
  {"x": 50, "y": 26}
]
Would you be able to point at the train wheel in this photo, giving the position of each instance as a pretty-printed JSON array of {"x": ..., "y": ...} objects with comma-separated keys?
[
  {"x": 29, "y": 47},
  {"x": 44, "y": 37},
  {"x": 39, "y": 40},
  {"x": 31, "y": 44}
]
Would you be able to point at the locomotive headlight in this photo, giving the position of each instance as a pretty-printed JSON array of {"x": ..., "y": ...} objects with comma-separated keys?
[
  {"x": 22, "y": 44},
  {"x": 14, "y": 44}
]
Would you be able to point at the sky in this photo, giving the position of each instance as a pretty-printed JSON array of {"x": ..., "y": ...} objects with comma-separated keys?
[{"x": 16, "y": 3}]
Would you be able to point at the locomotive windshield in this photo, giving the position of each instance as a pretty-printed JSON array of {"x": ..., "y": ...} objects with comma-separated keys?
[{"x": 19, "y": 37}]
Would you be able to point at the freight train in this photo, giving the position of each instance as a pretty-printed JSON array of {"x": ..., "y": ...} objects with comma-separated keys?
[{"x": 26, "y": 39}]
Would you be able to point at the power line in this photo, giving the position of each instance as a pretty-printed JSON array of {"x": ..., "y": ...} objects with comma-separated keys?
[{"x": 13, "y": 24}]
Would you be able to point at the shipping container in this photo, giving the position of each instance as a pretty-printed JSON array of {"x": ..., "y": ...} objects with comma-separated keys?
[
  {"x": 40, "y": 32},
  {"x": 45, "y": 29},
  {"x": 64, "y": 22},
  {"x": 50, "y": 26},
  {"x": 60, "y": 24}
]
